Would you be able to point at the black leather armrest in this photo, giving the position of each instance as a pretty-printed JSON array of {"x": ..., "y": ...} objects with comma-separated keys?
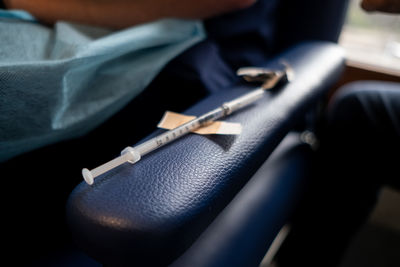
[{"x": 151, "y": 212}]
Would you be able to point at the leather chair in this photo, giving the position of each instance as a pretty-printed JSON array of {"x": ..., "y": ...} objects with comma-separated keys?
[{"x": 220, "y": 200}]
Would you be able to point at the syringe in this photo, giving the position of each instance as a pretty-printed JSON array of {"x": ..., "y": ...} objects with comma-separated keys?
[{"x": 134, "y": 154}]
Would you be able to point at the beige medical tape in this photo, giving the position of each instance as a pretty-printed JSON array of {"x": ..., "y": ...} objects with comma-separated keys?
[{"x": 171, "y": 120}]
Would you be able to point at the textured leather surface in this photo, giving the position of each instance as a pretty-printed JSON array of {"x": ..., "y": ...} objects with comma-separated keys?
[
  {"x": 244, "y": 230},
  {"x": 152, "y": 211}
]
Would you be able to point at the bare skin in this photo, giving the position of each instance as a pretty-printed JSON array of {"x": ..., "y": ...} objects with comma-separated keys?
[
  {"x": 389, "y": 6},
  {"x": 123, "y": 13}
]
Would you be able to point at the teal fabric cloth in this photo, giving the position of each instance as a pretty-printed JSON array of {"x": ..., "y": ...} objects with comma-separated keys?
[
  {"x": 16, "y": 14},
  {"x": 61, "y": 82}
]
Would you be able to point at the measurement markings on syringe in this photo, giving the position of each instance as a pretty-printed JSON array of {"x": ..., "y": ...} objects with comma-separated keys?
[{"x": 159, "y": 142}]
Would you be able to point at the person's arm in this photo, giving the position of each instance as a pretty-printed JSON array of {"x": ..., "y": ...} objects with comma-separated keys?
[
  {"x": 390, "y": 6},
  {"x": 123, "y": 13}
]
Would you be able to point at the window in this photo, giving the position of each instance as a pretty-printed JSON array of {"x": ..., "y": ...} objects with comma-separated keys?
[{"x": 372, "y": 40}]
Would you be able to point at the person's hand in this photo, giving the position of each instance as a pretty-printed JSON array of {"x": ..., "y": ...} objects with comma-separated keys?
[{"x": 390, "y": 6}]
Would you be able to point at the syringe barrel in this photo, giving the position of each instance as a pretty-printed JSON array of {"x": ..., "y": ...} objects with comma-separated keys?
[
  {"x": 225, "y": 109},
  {"x": 167, "y": 137}
]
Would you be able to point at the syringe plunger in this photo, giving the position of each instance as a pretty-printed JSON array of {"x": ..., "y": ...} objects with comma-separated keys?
[{"x": 127, "y": 155}]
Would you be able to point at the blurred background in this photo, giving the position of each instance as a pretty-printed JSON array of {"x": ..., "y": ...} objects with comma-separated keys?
[
  {"x": 372, "y": 45},
  {"x": 372, "y": 39}
]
